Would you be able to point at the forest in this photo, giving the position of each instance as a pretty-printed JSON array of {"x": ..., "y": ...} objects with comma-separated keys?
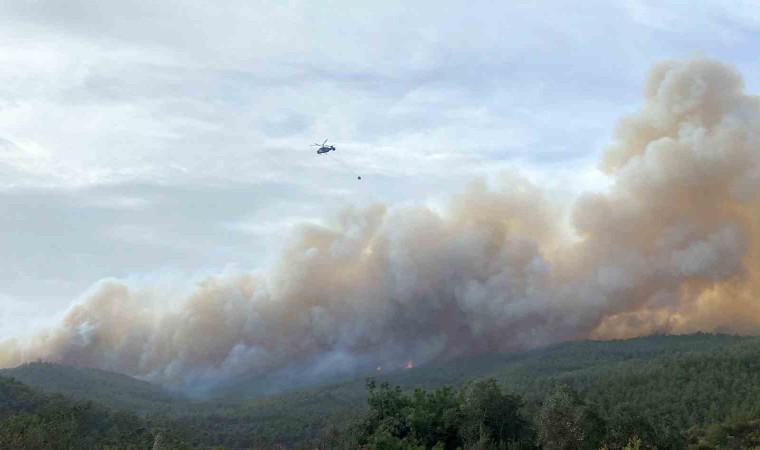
[{"x": 699, "y": 391}]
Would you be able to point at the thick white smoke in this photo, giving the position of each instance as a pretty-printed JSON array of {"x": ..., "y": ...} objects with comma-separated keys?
[{"x": 673, "y": 246}]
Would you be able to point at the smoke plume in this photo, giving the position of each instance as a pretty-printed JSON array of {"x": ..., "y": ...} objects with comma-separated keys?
[{"x": 673, "y": 246}]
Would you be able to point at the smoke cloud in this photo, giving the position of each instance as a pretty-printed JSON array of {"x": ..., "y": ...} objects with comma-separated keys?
[{"x": 673, "y": 246}]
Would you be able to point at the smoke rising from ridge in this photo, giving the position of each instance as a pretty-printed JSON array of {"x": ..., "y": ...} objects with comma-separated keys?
[{"x": 673, "y": 246}]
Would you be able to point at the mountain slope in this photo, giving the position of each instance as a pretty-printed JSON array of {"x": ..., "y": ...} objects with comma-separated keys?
[
  {"x": 685, "y": 381},
  {"x": 659, "y": 369},
  {"x": 108, "y": 388},
  {"x": 30, "y": 419},
  {"x": 517, "y": 370},
  {"x": 17, "y": 398}
]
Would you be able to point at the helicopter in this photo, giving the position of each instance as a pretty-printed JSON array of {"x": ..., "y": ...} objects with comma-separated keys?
[
  {"x": 327, "y": 148},
  {"x": 324, "y": 148}
]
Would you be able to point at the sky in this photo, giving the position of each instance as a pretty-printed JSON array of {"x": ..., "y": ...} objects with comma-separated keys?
[{"x": 164, "y": 141}]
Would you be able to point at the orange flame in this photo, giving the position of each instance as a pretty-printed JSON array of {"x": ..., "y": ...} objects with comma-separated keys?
[{"x": 410, "y": 364}]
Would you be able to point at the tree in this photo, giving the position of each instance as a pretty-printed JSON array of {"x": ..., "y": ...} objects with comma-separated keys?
[
  {"x": 433, "y": 418},
  {"x": 565, "y": 422},
  {"x": 479, "y": 416},
  {"x": 633, "y": 444},
  {"x": 386, "y": 410},
  {"x": 489, "y": 415}
]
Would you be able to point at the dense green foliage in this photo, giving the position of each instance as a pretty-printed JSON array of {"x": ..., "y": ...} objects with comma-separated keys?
[
  {"x": 108, "y": 388},
  {"x": 298, "y": 415},
  {"x": 689, "y": 389},
  {"x": 699, "y": 391},
  {"x": 617, "y": 375},
  {"x": 567, "y": 422},
  {"x": 479, "y": 415},
  {"x": 35, "y": 421},
  {"x": 740, "y": 433}
]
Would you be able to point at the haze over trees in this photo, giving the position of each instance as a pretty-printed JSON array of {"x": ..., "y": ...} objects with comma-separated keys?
[{"x": 666, "y": 392}]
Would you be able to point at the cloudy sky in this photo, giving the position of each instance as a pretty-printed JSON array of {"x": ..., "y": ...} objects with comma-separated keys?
[{"x": 166, "y": 140}]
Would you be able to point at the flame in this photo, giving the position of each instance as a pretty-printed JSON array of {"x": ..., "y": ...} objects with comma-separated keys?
[{"x": 410, "y": 364}]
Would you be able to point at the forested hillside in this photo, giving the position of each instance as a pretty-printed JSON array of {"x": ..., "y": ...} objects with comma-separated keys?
[
  {"x": 653, "y": 376},
  {"x": 666, "y": 391},
  {"x": 109, "y": 388},
  {"x": 30, "y": 420}
]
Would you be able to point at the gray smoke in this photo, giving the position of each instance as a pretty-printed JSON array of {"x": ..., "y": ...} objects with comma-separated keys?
[{"x": 673, "y": 246}]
